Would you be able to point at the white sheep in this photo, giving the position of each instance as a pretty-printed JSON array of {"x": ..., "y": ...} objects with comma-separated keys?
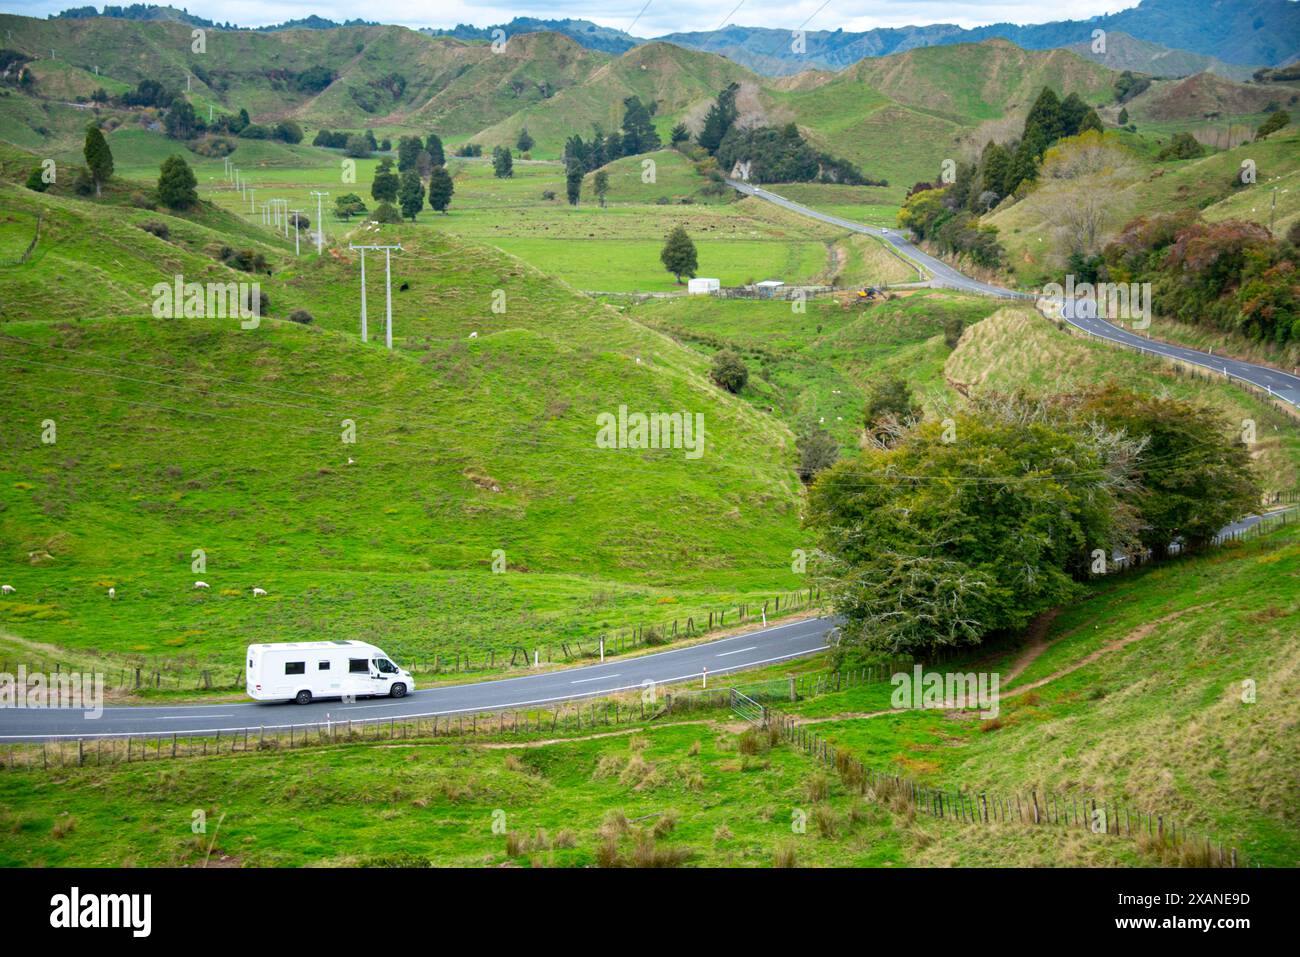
[
  {"x": 112, "y": 593},
  {"x": 473, "y": 335},
  {"x": 259, "y": 592},
  {"x": 200, "y": 584},
  {"x": 7, "y": 589}
]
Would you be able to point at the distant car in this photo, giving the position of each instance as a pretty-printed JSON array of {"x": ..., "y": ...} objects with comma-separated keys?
[{"x": 302, "y": 671}]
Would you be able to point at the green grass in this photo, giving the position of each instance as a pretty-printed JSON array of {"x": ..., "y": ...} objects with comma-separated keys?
[
  {"x": 1016, "y": 348},
  {"x": 182, "y": 434},
  {"x": 1158, "y": 723},
  {"x": 821, "y": 363},
  {"x": 688, "y": 785}
]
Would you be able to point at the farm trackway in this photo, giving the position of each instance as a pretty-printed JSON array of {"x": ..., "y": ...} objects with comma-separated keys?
[
  {"x": 749, "y": 650},
  {"x": 1280, "y": 384}
]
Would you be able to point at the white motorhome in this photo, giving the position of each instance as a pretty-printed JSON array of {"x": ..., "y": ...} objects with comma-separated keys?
[{"x": 302, "y": 670}]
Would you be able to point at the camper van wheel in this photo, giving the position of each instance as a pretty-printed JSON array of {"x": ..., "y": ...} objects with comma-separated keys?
[
  {"x": 303, "y": 697},
  {"x": 398, "y": 690}
]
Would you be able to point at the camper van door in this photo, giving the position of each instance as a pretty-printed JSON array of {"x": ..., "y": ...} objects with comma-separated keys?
[{"x": 362, "y": 674}]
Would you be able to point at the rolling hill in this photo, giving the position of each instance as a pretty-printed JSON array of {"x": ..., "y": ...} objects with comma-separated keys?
[{"x": 476, "y": 433}]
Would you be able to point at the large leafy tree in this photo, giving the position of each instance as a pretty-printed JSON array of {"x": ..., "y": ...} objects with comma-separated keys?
[
  {"x": 573, "y": 180},
  {"x": 678, "y": 255},
  {"x": 503, "y": 165},
  {"x": 176, "y": 184},
  {"x": 410, "y": 194},
  {"x": 639, "y": 134},
  {"x": 384, "y": 187},
  {"x": 1193, "y": 477},
  {"x": 440, "y": 189},
  {"x": 970, "y": 528},
  {"x": 99, "y": 158},
  {"x": 433, "y": 146},
  {"x": 718, "y": 121},
  {"x": 408, "y": 152}
]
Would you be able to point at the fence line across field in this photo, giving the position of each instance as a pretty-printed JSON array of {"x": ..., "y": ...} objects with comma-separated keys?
[
  {"x": 1103, "y": 816},
  {"x": 755, "y": 703},
  {"x": 143, "y": 674}
]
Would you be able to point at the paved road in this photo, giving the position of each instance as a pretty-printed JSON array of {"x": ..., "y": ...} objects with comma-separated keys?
[
  {"x": 1281, "y": 384},
  {"x": 941, "y": 273},
  {"x": 767, "y": 646}
]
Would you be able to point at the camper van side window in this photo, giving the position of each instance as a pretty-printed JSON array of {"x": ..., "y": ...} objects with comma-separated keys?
[
  {"x": 295, "y": 667},
  {"x": 358, "y": 666},
  {"x": 323, "y": 666}
]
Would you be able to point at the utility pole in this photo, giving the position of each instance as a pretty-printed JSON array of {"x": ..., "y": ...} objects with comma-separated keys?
[
  {"x": 296, "y": 214},
  {"x": 320, "y": 223},
  {"x": 388, "y": 290}
]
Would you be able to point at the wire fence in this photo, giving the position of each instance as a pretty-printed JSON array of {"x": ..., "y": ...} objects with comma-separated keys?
[
  {"x": 1154, "y": 831},
  {"x": 27, "y": 253},
  {"x": 146, "y": 674},
  {"x": 565, "y": 719}
]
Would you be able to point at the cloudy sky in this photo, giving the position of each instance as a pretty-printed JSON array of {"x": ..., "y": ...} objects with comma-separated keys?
[{"x": 651, "y": 18}]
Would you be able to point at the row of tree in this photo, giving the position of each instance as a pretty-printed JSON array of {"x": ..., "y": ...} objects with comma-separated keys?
[
  {"x": 405, "y": 190},
  {"x": 636, "y": 135}
]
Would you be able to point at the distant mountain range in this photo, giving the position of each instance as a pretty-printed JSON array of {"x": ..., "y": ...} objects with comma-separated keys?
[{"x": 1164, "y": 37}]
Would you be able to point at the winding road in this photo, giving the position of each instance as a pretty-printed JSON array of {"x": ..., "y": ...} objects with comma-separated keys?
[
  {"x": 751, "y": 649},
  {"x": 1281, "y": 385}
]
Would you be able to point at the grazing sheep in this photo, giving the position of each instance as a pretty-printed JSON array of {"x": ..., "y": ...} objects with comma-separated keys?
[
  {"x": 350, "y": 462},
  {"x": 259, "y": 592},
  {"x": 200, "y": 584},
  {"x": 7, "y": 589},
  {"x": 112, "y": 593},
  {"x": 473, "y": 335}
]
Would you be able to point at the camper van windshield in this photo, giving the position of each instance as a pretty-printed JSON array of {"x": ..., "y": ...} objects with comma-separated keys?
[{"x": 385, "y": 666}]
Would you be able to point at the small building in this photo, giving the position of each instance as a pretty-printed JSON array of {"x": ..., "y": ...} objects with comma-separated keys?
[
  {"x": 702, "y": 287},
  {"x": 768, "y": 288}
]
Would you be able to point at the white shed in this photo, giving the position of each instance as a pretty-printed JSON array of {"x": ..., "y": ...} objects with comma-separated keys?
[
  {"x": 702, "y": 287},
  {"x": 769, "y": 287}
]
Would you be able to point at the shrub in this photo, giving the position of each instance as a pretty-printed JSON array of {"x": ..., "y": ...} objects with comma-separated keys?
[
  {"x": 36, "y": 180},
  {"x": 729, "y": 371},
  {"x": 1182, "y": 146},
  {"x": 156, "y": 229},
  {"x": 387, "y": 213},
  {"x": 301, "y": 316},
  {"x": 819, "y": 786},
  {"x": 1274, "y": 123}
]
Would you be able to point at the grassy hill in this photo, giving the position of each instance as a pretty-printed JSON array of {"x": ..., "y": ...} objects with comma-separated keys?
[
  {"x": 194, "y": 433},
  {"x": 900, "y": 116},
  {"x": 1016, "y": 348},
  {"x": 1211, "y": 184},
  {"x": 676, "y": 79}
]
